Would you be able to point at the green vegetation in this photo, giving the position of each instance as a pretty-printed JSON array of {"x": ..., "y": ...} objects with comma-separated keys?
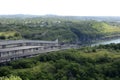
[
  {"x": 66, "y": 30},
  {"x": 10, "y": 35},
  {"x": 10, "y": 78},
  {"x": 87, "y": 63}
]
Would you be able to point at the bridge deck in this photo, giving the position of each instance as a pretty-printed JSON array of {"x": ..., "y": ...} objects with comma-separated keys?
[
  {"x": 29, "y": 54},
  {"x": 8, "y": 42}
]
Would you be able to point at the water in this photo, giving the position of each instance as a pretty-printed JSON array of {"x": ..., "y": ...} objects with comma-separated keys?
[{"x": 107, "y": 42}]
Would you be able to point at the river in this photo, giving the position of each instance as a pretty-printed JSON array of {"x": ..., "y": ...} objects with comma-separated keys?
[{"x": 107, "y": 42}]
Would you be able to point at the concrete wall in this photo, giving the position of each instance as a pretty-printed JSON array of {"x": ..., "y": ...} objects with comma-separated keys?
[{"x": 22, "y": 51}]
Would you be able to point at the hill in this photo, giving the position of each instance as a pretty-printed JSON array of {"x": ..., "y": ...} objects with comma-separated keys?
[{"x": 63, "y": 28}]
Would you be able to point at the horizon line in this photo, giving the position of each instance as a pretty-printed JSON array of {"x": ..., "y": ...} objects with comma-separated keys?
[{"x": 61, "y": 15}]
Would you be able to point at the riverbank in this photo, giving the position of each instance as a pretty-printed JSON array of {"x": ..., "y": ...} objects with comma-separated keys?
[{"x": 107, "y": 41}]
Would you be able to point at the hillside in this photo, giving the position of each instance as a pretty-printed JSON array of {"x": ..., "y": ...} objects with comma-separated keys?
[
  {"x": 87, "y": 63},
  {"x": 64, "y": 29}
]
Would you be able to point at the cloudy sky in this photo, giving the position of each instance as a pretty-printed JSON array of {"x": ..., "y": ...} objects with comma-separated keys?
[{"x": 61, "y": 7}]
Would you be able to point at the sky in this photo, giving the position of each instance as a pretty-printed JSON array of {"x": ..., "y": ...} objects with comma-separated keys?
[{"x": 61, "y": 7}]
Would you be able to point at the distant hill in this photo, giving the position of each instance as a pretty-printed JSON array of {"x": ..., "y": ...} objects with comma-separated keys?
[{"x": 98, "y": 18}]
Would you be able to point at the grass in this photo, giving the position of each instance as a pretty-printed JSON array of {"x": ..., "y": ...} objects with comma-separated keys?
[
  {"x": 106, "y": 28},
  {"x": 10, "y": 35},
  {"x": 99, "y": 53}
]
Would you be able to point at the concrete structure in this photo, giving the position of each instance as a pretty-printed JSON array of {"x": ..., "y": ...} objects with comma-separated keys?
[
  {"x": 18, "y": 43},
  {"x": 15, "y": 49}
]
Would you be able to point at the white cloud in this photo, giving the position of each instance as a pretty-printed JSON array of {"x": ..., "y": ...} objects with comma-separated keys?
[{"x": 61, "y": 7}]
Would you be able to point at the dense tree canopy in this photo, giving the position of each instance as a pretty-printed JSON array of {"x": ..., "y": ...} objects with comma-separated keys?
[
  {"x": 66, "y": 30},
  {"x": 87, "y": 63}
]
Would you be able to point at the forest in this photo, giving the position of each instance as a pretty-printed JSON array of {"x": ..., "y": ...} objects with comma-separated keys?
[
  {"x": 87, "y": 63},
  {"x": 65, "y": 29}
]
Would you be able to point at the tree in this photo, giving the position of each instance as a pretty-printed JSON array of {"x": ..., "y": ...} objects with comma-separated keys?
[{"x": 11, "y": 78}]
